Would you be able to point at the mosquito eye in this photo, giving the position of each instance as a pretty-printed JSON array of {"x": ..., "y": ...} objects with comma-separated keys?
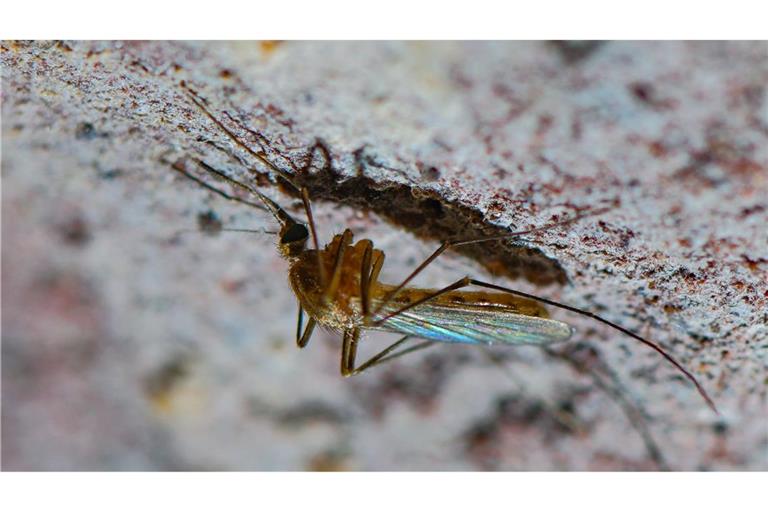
[{"x": 295, "y": 233}]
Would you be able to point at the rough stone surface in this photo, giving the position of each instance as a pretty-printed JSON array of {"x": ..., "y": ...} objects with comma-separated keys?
[{"x": 135, "y": 335}]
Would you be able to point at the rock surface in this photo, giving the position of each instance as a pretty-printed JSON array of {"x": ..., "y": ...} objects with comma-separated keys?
[{"x": 136, "y": 335}]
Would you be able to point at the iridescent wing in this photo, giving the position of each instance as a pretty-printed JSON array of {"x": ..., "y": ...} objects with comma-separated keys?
[{"x": 477, "y": 325}]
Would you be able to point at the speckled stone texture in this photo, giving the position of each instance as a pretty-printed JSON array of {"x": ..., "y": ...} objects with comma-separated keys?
[{"x": 137, "y": 335}]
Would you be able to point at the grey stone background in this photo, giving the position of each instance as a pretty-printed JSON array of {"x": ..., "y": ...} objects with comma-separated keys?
[{"x": 137, "y": 336}]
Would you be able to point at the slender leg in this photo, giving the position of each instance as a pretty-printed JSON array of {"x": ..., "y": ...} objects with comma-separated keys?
[
  {"x": 299, "y": 324},
  {"x": 378, "y": 262},
  {"x": 349, "y": 351},
  {"x": 259, "y": 155},
  {"x": 275, "y": 209},
  {"x": 384, "y": 356},
  {"x": 262, "y": 157},
  {"x": 365, "y": 276},
  {"x": 370, "y": 281},
  {"x": 304, "y": 197},
  {"x": 467, "y": 281},
  {"x": 619, "y": 328},
  {"x": 367, "y": 279},
  {"x": 313, "y": 231},
  {"x": 448, "y": 244},
  {"x": 303, "y": 338},
  {"x": 338, "y": 264},
  {"x": 461, "y": 283},
  {"x": 180, "y": 168}
]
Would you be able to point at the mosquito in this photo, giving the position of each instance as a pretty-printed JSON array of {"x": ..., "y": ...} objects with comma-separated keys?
[{"x": 338, "y": 287}]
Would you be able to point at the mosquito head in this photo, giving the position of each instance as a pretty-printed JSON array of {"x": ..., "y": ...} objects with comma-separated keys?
[{"x": 293, "y": 239}]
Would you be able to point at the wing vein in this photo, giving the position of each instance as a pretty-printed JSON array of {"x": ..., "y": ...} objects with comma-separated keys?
[{"x": 475, "y": 325}]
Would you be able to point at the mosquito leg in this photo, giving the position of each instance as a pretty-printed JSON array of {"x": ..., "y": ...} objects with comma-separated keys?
[
  {"x": 369, "y": 274},
  {"x": 313, "y": 231},
  {"x": 338, "y": 264},
  {"x": 349, "y": 351},
  {"x": 275, "y": 209},
  {"x": 299, "y": 325},
  {"x": 281, "y": 215},
  {"x": 461, "y": 283},
  {"x": 468, "y": 281},
  {"x": 457, "y": 243},
  {"x": 619, "y": 328},
  {"x": 365, "y": 278},
  {"x": 302, "y": 338},
  {"x": 386, "y": 354},
  {"x": 370, "y": 281},
  {"x": 389, "y": 296},
  {"x": 378, "y": 262},
  {"x": 259, "y": 155},
  {"x": 181, "y": 170}
]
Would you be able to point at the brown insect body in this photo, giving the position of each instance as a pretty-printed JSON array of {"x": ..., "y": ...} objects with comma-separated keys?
[{"x": 343, "y": 311}]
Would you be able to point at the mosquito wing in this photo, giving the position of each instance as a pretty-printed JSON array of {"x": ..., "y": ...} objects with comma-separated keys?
[{"x": 476, "y": 325}]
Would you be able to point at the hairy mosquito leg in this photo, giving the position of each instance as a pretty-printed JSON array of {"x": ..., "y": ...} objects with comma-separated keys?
[
  {"x": 180, "y": 169},
  {"x": 468, "y": 281},
  {"x": 365, "y": 276},
  {"x": 368, "y": 274},
  {"x": 378, "y": 263},
  {"x": 259, "y": 155},
  {"x": 262, "y": 157},
  {"x": 338, "y": 265},
  {"x": 349, "y": 351},
  {"x": 461, "y": 283},
  {"x": 275, "y": 209},
  {"x": 370, "y": 281},
  {"x": 619, "y": 328},
  {"x": 299, "y": 325},
  {"x": 384, "y": 356},
  {"x": 313, "y": 232},
  {"x": 302, "y": 338},
  {"x": 457, "y": 243}
]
